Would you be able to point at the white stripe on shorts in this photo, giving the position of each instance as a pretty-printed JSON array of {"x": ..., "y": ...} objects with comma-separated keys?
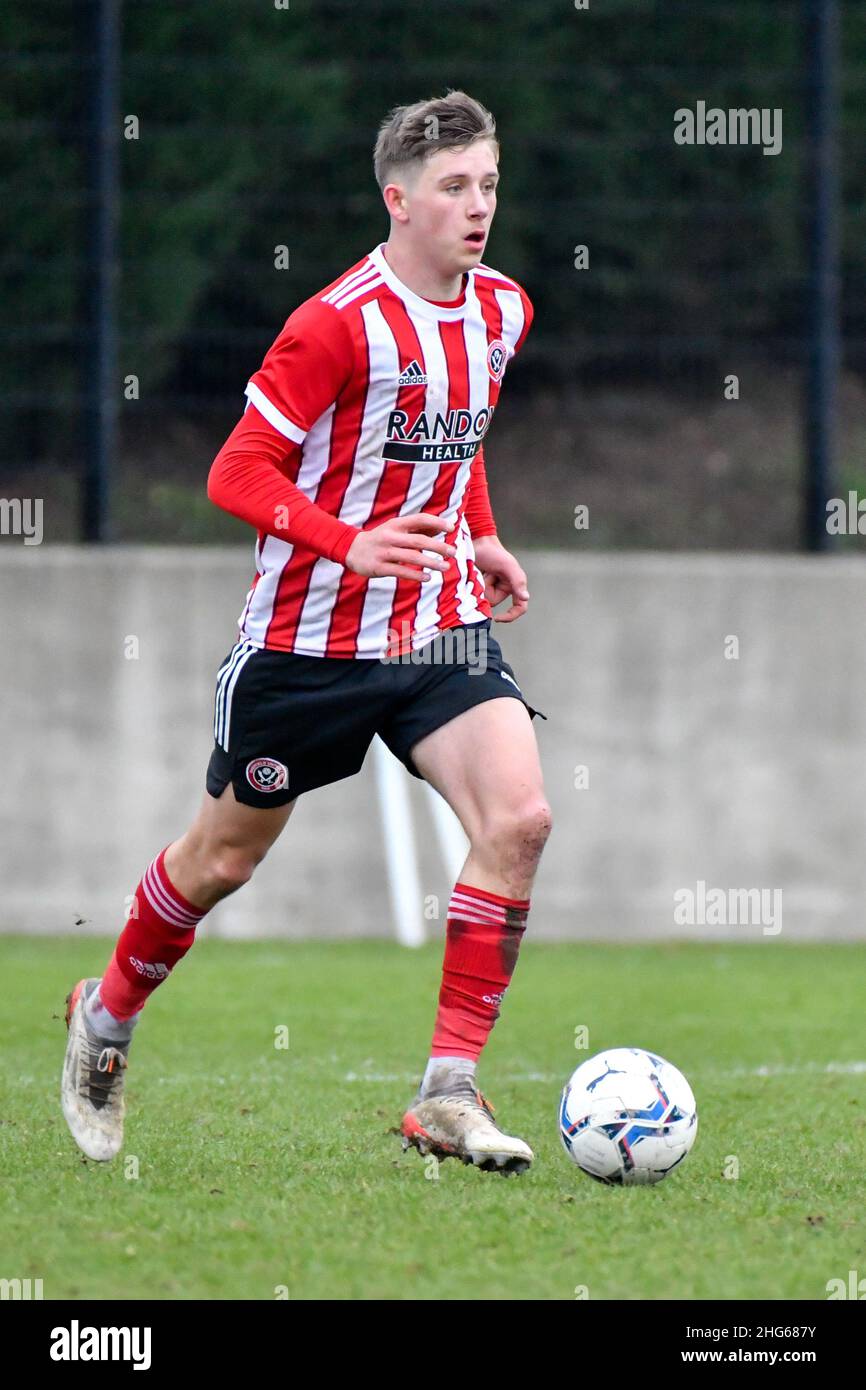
[{"x": 226, "y": 681}]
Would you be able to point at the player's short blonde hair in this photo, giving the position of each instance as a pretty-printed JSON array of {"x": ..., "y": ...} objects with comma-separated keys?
[{"x": 410, "y": 134}]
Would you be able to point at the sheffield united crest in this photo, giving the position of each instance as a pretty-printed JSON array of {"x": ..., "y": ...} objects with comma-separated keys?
[
  {"x": 497, "y": 356},
  {"x": 267, "y": 775}
]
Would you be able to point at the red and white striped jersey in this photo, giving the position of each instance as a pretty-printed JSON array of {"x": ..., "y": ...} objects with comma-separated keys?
[{"x": 385, "y": 398}]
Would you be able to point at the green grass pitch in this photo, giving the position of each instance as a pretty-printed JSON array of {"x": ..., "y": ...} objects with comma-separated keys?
[{"x": 259, "y": 1169}]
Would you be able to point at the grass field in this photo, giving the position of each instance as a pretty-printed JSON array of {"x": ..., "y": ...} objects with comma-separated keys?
[{"x": 260, "y": 1167}]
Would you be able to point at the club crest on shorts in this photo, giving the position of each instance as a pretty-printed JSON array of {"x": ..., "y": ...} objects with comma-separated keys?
[
  {"x": 497, "y": 357},
  {"x": 267, "y": 775}
]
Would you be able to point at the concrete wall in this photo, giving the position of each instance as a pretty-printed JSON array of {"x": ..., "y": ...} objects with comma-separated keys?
[{"x": 745, "y": 773}]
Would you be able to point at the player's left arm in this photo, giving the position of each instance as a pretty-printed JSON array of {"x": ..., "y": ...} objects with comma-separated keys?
[{"x": 503, "y": 574}]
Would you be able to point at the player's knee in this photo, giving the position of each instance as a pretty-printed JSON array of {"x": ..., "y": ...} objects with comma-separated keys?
[
  {"x": 520, "y": 833},
  {"x": 230, "y": 869},
  {"x": 535, "y": 823}
]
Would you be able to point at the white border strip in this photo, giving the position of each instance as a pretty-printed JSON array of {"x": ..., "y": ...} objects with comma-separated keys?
[{"x": 257, "y": 397}]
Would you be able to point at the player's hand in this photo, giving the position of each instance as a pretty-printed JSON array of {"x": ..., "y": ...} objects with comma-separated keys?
[
  {"x": 402, "y": 547},
  {"x": 503, "y": 576}
]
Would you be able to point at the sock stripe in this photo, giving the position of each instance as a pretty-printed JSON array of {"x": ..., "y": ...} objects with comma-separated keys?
[
  {"x": 165, "y": 900},
  {"x": 468, "y": 911},
  {"x": 487, "y": 909},
  {"x": 183, "y": 903},
  {"x": 488, "y": 897},
  {"x": 463, "y": 915},
  {"x": 162, "y": 903},
  {"x": 469, "y": 908}
]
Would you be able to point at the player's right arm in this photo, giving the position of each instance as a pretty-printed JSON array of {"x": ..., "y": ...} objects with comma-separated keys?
[
  {"x": 303, "y": 374},
  {"x": 246, "y": 479},
  {"x": 395, "y": 548}
]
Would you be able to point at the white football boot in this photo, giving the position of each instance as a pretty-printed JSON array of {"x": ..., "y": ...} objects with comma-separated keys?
[
  {"x": 91, "y": 1090},
  {"x": 454, "y": 1120}
]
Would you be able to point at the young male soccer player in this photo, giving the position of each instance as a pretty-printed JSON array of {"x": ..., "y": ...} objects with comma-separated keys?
[{"x": 359, "y": 462}]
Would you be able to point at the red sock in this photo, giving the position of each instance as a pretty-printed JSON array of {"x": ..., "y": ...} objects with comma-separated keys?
[
  {"x": 159, "y": 931},
  {"x": 483, "y": 935}
]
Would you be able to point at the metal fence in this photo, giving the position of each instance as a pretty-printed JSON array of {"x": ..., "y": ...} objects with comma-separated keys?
[{"x": 159, "y": 157}]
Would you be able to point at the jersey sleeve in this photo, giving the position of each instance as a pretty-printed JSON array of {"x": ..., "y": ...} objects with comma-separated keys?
[
  {"x": 528, "y": 316},
  {"x": 479, "y": 516},
  {"x": 247, "y": 479},
  {"x": 304, "y": 371}
]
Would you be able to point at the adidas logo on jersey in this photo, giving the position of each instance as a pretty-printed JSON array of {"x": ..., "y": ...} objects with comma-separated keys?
[{"x": 413, "y": 375}]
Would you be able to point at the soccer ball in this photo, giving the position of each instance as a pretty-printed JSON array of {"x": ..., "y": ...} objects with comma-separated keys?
[{"x": 627, "y": 1116}]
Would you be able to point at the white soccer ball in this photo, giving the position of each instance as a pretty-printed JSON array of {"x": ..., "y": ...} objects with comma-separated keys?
[{"x": 627, "y": 1116}]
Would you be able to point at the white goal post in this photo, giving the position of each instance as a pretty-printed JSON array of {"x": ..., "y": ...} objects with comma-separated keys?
[{"x": 401, "y": 855}]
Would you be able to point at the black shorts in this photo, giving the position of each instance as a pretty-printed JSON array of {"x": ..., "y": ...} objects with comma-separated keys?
[{"x": 285, "y": 724}]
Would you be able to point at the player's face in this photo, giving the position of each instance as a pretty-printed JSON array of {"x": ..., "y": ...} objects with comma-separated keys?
[{"x": 451, "y": 205}]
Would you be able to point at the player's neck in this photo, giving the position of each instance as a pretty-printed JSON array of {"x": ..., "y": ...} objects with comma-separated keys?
[{"x": 421, "y": 278}]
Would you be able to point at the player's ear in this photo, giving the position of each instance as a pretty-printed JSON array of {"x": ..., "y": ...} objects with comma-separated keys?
[{"x": 394, "y": 195}]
